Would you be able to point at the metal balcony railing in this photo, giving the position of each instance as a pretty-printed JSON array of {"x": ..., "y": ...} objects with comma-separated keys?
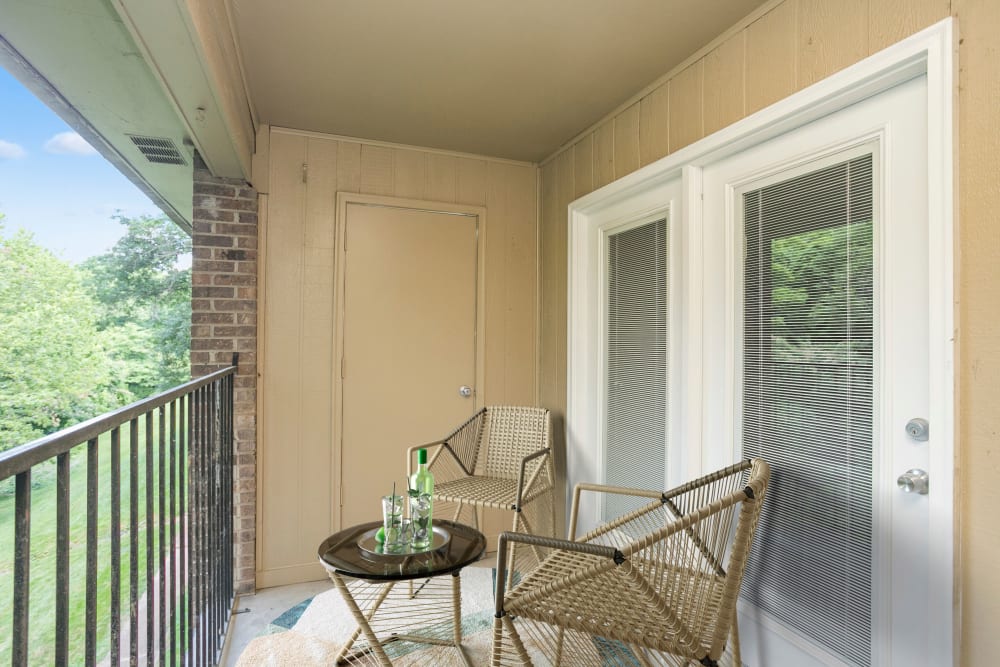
[{"x": 177, "y": 562}]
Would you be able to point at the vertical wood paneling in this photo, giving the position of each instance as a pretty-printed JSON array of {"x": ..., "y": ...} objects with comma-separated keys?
[
  {"x": 321, "y": 192},
  {"x": 376, "y": 170},
  {"x": 551, "y": 346},
  {"x": 770, "y": 57},
  {"x": 348, "y": 166},
  {"x": 281, "y": 436},
  {"x": 410, "y": 173},
  {"x": 604, "y": 154},
  {"x": 685, "y": 106},
  {"x": 521, "y": 274},
  {"x": 583, "y": 166},
  {"x": 472, "y": 180},
  {"x": 891, "y": 20},
  {"x": 830, "y": 36},
  {"x": 441, "y": 177},
  {"x": 627, "y": 141},
  {"x": 724, "y": 92},
  {"x": 564, "y": 195},
  {"x": 654, "y": 127},
  {"x": 979, "y": 295}
]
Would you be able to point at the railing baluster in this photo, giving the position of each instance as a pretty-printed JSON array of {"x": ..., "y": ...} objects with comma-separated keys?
[
  {"x": 150, "y": 601},
  {"x": 213, "y": 519},
  {"x": 202, "y": 529},
  {"x": 174, "y": 564},
  {"x": 133, "y": 543},
  {"x": 116, "y": 545},
  {"x": 22, "y": 570},
  {"x": 62, "y": 559},
  {"x": 187, "y": 576},
  {"x": 91, "y": 613},
  {"x": 161, "y": 529}
]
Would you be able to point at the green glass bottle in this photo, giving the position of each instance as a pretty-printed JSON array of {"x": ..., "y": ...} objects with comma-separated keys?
[{"x": 421, "y": 503}]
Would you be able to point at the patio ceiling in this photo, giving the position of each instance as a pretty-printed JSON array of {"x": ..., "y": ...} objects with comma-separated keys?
[{"x": 510, "y": 79}]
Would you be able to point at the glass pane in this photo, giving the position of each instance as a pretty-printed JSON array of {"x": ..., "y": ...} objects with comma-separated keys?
[
  {"x": 636, "y": 426},
  {"x": 807, "y": 401}
]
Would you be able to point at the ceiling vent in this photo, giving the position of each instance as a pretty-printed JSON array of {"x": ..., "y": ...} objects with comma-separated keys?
[{"x": 158, "y": 149}]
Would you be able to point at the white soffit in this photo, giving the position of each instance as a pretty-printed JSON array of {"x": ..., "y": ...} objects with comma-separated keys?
[
  {"x": 510, "y": 79},
  {"x": 78, "y": 57}
]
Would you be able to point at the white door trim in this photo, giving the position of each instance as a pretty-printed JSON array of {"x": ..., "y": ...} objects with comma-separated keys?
[{"x": 930, "y": 52}]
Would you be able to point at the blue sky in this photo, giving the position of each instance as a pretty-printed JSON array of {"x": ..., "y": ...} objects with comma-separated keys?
[{"x": 53, "y": 184}]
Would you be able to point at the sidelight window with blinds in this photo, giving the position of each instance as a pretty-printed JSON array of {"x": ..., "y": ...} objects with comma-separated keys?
[
  {"x": 807, "y": 400},
  {"x": 636, "y": 365}
]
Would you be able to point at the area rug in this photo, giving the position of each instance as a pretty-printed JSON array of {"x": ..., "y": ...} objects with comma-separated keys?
[{"x": 311, "y": 632}]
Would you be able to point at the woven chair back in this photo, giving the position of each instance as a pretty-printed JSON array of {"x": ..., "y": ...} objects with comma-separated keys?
[{"x": 509, "y": 434}]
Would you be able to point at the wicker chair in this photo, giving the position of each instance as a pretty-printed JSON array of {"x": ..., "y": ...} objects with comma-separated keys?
[
  {"x": 500, "y": 458},
  {"x": 655, "y": 586}
]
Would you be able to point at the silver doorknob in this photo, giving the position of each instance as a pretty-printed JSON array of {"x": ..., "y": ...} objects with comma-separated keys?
[
  {"x": 465, "y": 391},
  {"x": 913, "y": 481}
]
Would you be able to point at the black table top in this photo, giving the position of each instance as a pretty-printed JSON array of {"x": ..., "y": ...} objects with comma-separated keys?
[{"x": 341, "y": 553}]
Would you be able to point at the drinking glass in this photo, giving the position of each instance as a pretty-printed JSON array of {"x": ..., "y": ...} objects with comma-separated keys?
[
  {"x": 420, "y": 514},
  {"x": 392, "y": 518}
]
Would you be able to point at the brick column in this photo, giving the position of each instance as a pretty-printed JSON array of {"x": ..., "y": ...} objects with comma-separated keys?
[{"x": 223, "y": 321}]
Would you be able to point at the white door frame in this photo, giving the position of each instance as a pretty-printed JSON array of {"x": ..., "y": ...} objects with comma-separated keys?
[{"x": 929, "y": 52}]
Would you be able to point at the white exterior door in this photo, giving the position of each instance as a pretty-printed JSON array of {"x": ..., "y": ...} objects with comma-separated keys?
[
  {"x": 810, "y": 323},
  {"x": 816, "y": 299}
]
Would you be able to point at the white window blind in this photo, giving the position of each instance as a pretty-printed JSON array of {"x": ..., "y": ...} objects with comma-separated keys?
[
  {"x": 808, "y": 401},
  {"x": 636, "y": 362}
]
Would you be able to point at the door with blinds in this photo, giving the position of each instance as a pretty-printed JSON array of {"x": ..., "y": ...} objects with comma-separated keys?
[{"x": 816, "y": 359}]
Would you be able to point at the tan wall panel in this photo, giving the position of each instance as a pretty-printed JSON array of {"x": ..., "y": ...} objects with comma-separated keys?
[
  {"x": 280, "y": 443},
  {"x": 979, "y": 341},
  {"x": 551, "y": 346},
  {"x": 724, "y": 92},
  {"x": 604, "y": 154},
  {"x": 348, "y": 166},
  {"x": 831, "y": 36},
  {"x": 583, "y": 166},
  {"x": 686, "y": 116},
  {"x": 892, "y": 20},
  {"x": 409, "y": 173},
  {"x": 321, "y": 196},
  {"x": 297, "y": 479},
  {"x": 376, "y": 170},
  {"x": 441, "y": 177},
  {"x": 627, "y": 141},
  {"x": 654, "y": 116},
  {"x": 472, "y": 181},
  {"x": 770, "y": 57}
]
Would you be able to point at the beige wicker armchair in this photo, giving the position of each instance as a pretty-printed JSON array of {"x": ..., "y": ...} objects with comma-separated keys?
[
  {"x": 500, "y": 458},
  {"x": 655, "y": 586}
]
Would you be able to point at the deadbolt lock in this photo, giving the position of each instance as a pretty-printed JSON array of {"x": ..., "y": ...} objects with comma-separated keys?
[{"x": 918, "y": 429}]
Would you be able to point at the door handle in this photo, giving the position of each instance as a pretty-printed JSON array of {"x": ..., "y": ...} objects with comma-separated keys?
[
  {"x": 465, "y": 391},
  {"x": 913, "y": 481}
]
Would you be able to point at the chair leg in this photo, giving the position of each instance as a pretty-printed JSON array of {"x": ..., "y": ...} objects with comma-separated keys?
[
  {"x": 734, "y": 640},
  {"x": 500, "y": 626}
]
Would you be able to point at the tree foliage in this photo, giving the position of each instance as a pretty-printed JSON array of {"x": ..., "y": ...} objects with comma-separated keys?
[
  {"x": 76, "y": 341},
  {"x": 144, "y": 299},
  {"x": 53, "y": 369}
]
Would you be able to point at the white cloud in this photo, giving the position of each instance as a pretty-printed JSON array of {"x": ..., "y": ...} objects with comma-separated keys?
[
  {"x": 69, "y": 143},
  {"x": 9, "y": 151}
]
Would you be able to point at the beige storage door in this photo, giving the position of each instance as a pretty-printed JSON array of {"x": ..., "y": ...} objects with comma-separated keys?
[{"x": 408, "y": 342}]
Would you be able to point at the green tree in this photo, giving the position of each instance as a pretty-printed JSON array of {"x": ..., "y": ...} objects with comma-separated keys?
[
  {"x": 145, "y": 304},
  {"x": 53, "y": 369}
]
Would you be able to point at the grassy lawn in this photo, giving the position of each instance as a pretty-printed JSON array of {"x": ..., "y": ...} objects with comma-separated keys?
[{"x": 43, "y": 549}]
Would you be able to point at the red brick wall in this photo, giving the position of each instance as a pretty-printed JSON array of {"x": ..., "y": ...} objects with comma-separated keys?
[{"x": 223, "y": 321}]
